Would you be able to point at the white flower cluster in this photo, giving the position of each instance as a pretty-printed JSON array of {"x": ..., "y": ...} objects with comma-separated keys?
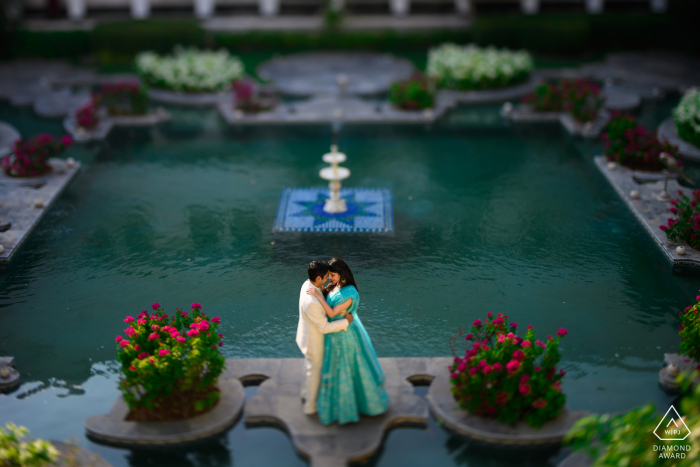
[
  {"x": 190, "y": 70},
  {"x": 688, "y": 110},
  {"x": 471, "y": 67}
]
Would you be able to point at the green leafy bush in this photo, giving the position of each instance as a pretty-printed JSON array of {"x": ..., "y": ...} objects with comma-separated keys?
[
  {"x": 631, "y": 144},
  {"x": 690, "y": 317},
  {"x": 687, "y": 116},
  {"x": 17, "y": 453},
  {"x": 507, "y": 377},
  {"x": 628, "y": 439},
  {"x": 170, "y": 364},
  {"x": 122, "y": 98},
  {"x": 415, "y": 93},
  {"x": 580, "y": 97}
]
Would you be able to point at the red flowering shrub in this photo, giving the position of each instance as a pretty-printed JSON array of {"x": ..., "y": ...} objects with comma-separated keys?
[
  {"x": 687, "y": 225},
  {"x": 170, "y": 364},
  {"x": 86, "y": 116},
  {"x": 690, "y": 331},
  {"x": 580, "y": 97},
  {"x": 632, "y": 145},
  {"x": 507, "y": 377},
  {"x": 30, "y": 158},
  {"x": 122, "y": 98}
]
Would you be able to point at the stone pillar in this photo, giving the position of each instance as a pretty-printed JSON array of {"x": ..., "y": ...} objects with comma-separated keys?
[
  {"x": 594, "y": 7},
  {"x": 530, "y": 7},
  {"x": 463, "y": 7},
  {"x": 269, "y": 7},
  {"x": 76, "y": 9},
  {"x": 140, "y": 9},
  {"x": 399, "y": 7},
  {"x": 658, "y": 6},
  {"x": 204, "y": 8}
]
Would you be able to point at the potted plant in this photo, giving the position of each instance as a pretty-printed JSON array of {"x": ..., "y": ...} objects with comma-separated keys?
[
  {"x": 123, "y": 98},
  {"x": 506, "y": 377},
  {"x": 30, "y": 158},
  {"x": 582, "y": 98},
  {"x": 468, "y": 68},
  {"x": 170, "y": 365},
  {"x": 631, "y": 144},
  {"x": 415, "y": 93},
  {"x": 249, "y": 97},
  {"x": 86, "y": 117},
  {"x": 687, "y": 117}
]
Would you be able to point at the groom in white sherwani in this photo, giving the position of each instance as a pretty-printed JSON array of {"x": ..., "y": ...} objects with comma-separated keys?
[{"x": 313, "y": 324}]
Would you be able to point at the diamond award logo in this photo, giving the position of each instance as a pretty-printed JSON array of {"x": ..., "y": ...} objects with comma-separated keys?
[{"x": 672, "y": 427}]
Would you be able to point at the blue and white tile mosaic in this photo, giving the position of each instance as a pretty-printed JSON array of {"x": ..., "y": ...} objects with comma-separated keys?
[{"x": 301, "y": 210}]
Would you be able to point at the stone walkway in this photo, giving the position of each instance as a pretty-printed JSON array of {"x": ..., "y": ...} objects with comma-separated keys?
[{"x": 278, "y": 404}]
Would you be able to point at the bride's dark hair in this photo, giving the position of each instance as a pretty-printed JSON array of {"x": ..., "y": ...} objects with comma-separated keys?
[{"x": 341, "y": 268}]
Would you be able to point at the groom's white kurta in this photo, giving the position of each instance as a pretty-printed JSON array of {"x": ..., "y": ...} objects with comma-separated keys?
[{"x": 313, "y": 324}]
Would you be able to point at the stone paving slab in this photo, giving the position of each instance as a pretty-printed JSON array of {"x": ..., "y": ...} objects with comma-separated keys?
[
  {"x": 112, "y": 429},
  {"x": 492, "y": 433},
  {"x": 652, "y": 213},
  {"x": 25, "y": 206},
  {"x": 669, "y": 132},
  {"x": 278, "y": 404},
  {"x": 310, "y": 73}
]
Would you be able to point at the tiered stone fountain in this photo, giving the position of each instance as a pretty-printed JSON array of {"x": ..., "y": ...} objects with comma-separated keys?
[{"x": 335, "y": 204}]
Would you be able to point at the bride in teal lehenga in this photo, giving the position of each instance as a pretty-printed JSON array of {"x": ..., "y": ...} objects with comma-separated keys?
[{"x": 352, "y": 382}]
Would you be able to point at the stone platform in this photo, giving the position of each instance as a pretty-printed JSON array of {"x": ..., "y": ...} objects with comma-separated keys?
[
  {"x": 24, "y": 202},
  {"x": 278, "y": 404},
  {"x": 652, "y": 213}
]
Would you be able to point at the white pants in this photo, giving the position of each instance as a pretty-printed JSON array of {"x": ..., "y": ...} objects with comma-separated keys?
[{"x": 311, "y": 380}]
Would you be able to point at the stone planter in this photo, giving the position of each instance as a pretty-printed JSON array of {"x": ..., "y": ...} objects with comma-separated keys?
[
  {"x": 668, "y": 374},
  {"x": 80, "y": 134},
  {"x": 9, "y": 377},
  {"x": 492, "y": 433},
  {"x": 668, "y": 132},
  {"x": 577, "y": 459},
  {"x": 113, "y": 429},
  {"x": 182, "y": 98}
]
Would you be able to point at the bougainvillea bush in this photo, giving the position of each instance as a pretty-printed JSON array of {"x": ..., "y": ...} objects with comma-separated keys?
[
  {"x": 170, "y": 364},
  {"x": 469, "y": 67},
  {"x": 249, "y": 97},
  {"x": 190, "y": 70},
  {"x": 30, "y": 158},
  {"x": 507, "y": 377},
  {"x": 631, "y": 144},
  {"x": 122, "y": 98},
  {"x": 582, "y": 98},
  {"x": 17, "y": 453},
  {"x": 686, "y": 224},
  {"x": 86, "y": 116},
  {"x": 687, "y": 116},
  {"x": 690, "y": 331},
  {"x": 415, "y": 93}
]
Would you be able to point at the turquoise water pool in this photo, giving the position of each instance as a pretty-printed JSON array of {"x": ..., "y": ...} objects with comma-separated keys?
[{"x": 488, "y": 217}]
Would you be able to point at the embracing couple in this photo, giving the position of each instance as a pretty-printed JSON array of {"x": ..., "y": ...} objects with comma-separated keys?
[{"x": 342, "y": 377}]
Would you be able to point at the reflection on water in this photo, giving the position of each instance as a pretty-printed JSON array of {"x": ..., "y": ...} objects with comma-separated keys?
[{"x": 488, "y": 216}]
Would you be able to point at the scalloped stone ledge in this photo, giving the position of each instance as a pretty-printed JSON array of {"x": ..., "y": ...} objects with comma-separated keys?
[
  {"x": 492, "y": 433},
  {"x": 652, "y": 213},
  {"x": 112, "y": 429},
  {"x": 669, "y": 132}
]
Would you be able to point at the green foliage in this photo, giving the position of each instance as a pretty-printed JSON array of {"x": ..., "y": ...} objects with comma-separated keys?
[
  {"x": 506, "y": 377},
  {"x": 690, "y": 318},
  {"x": 415, "y": 93},
  {"x": 687, "y": 116},
  {"x": 17, "y": 453},
  {"x": 580, "y": 97},
  {"x": 628, "y": 439},
  {"x": 128, "y": 38},
  {"x": 632, "y": 145},
  {"x": 122, "y": 98},
  {"x": 166, "y": 355},
  {"x": 54, "y": 44}
]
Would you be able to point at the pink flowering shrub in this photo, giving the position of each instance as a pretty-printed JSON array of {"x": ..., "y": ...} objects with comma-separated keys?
[
  {"x": 250, "y": 98},
  {"x": 580, "y": 97},
  {"x": 122, "y": 98},
  {"x": 506, "y": 377},
  {"x": 170, "y": 364},
  {"x": 86, "y": 116},
  {"x": 690, "y": 331},
  {"x": 686, "y": 226},
  {"x": 30, "y": 158}
]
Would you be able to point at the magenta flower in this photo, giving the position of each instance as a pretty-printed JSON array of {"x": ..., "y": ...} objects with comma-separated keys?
[
  {"x": 221, "y": 344},
  {"x": 163, "y": 352},
  {"x": 461, "y": 367},
  {"x": 540, "y": 403},
  {"x": 155, "y": 306},
  {"x": 124, "y": 343},
  {"x": 141, "y": 322},
  {"x": 512, "y": 366},
  {"x": 129, "y": 319},
  {"x": 181, "y": 339},
  {"x": 119, "y": 338},
  {"x": 476, "y": 323},
  {"x": 137, "y": 347},
  {"x": 515, "y": 325},
  {"x": 524, "y": 389},
  {"x": 66, "y": 140},
  {"x": 153, "y": 336},
  {"x": 196, "y": 305},
  {"x": 497, "y": 367},
  {"x": 192, "y": 332},
  {"x": 562, "y": 332},
  {"x": 216, "y": 320},
  {"x": 487, "y": 370},
  {"x": 527, "y": 343},
  {"x": 518, "y": 355}
]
